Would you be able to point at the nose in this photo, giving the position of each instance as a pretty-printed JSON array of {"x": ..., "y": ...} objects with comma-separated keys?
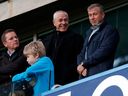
[
  {"x": 15, "y": 38},
  {"x": 27, "y": 60},
  {"x": 92, "y": 17},
  {"x": 63, "y": 22}
]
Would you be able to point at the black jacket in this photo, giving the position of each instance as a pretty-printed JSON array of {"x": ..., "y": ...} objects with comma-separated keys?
[
  {"x": 100, "y": 49},
  {"x": 63, "y": 48},
  {"x": 11, "y": 65}
]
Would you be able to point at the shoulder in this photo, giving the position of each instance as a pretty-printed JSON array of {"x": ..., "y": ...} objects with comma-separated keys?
[
  {"x": 107, "y": 26},
  {"x": 44, "y": 59}
]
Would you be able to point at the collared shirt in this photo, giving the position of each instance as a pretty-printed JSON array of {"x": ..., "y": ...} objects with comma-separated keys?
[
  {"x": 10, "y": 52},
  {"x": 95, "y": 29},
  {"x": 93, "y": 32}
]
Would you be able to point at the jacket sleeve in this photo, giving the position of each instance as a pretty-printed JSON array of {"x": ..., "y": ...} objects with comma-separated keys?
[
  {"x": 20, "y": 76},
  {"x": 14, "y": 66},
  {"x": 80, "y": 57}
]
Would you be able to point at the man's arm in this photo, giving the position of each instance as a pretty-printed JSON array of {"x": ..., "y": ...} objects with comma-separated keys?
[{"x": 13, "y": 67}]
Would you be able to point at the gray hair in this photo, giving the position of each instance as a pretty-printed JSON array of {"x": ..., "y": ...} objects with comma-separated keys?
[{"x": 59, "y": 11}]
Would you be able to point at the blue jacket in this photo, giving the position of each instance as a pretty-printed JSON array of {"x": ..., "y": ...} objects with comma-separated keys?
[
  {"x": 100, "y": 49},
  {"x": 43, "y": 71}
]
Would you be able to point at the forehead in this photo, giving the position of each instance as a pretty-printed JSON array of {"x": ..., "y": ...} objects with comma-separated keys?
[
  {"x": 30, "y": 56},
  {"x": 94, "y": 9},
  {"x": 9, "y": 34},
  {"x": 60, "y": 15}
]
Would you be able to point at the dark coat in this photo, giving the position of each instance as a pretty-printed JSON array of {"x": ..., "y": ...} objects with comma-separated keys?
[
  {"x": 100, "y": 49},
  {"x": 63, "y": 48},
  {"x": 11, "y": 65}
]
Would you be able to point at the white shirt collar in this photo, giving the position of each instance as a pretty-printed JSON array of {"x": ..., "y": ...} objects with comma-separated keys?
[{"x": 10, "y": 52}]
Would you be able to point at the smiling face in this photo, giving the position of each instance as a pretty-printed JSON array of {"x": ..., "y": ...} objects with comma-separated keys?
[
  {"x": 61, "y": 21},
  {"x": 96, "y": 16},
  {"x": 11, "y": 41}
]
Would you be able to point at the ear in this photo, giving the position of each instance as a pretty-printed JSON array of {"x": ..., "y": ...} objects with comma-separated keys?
[
  {"x": 4, "y": 43},
  {"x": 103, "y": 15},
  {"x": 53, "y": 22},
  {"x": 37, "y": 56}
]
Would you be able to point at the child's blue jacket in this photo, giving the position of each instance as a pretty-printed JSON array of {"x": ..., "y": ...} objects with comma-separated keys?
[{"x": 43, "y": 70}]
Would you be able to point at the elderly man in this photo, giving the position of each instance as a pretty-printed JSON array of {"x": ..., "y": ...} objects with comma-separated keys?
[{"x": 62, "y": 47}]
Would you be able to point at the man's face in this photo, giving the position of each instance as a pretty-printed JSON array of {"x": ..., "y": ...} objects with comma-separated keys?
[
  {"x": 11, "y": 41},
  {"x": 96, "y": 16},
  {"x": 61, "y": 22}
]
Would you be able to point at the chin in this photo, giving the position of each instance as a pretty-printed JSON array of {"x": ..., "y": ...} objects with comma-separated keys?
[
  {"x": 94, "y": 24},
  {"x": 63, "y": 30}
]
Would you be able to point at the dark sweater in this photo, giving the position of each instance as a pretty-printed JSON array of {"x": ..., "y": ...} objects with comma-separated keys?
[{"x": 63, "y": 48}]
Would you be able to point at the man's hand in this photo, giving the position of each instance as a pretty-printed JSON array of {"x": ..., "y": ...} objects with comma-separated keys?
[
  {"x": 80, "y": 68},
  {"x": 84, "y": 72}
]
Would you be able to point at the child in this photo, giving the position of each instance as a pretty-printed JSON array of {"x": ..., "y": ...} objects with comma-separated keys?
[{"x": 41, "y": 67}]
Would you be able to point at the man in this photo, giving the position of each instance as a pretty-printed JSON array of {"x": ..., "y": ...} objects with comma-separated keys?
[
  {"x": 62, "y": 47},
  {"x": 12, "y": 59},
  {"x": 100, "y": 44}
]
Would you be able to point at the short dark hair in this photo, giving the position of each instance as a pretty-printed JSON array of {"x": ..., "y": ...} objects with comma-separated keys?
[
  {"x": 5, "y": 32},
  {"x": 96, "y": 5}
]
